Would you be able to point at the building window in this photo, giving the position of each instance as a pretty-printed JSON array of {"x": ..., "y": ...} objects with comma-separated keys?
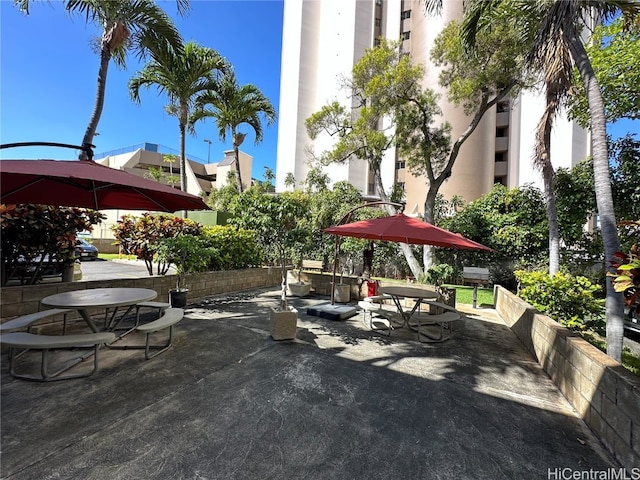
[
  {"x": 376, "y": 42},
  {"x": 406, "y": 35},
  {"x": 406, "y": 14},
  {"x": 378, "y": 2},
  {"x": 501, "y": 156},
  {"x": 500, "y": 180},
  {"x": 378, "y": 22},
  {"x": 400, "y": 165},
  {"x": 502, "y": 132}
]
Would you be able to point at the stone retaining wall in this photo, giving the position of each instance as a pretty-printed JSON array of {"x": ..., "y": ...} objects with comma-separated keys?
[
  {"x": 21, "y": 300},
  {"x": 604, "y": 393}
]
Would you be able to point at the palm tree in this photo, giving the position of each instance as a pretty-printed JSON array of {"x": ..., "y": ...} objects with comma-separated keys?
[
  {"x": 233, "y": 105},
  {"x": 127, "y": 25},
  {"x": 551, "y": 24},
  {"x": 558, "y": 76},
  {"x": 182, "y": 74}
]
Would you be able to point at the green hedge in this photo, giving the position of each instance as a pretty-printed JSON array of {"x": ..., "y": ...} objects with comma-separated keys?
[{"x": 568, "y": 299}]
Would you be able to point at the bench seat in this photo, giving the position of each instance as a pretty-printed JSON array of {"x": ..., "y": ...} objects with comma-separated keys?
[
  {"x": 160, "y": 306},
  {"x": 312, "y": 265},
  {"x": 441, "y": 306},
  {"x": 442, "y": 320},
  {"x": 45, "y": 343},
  {"x": 377, "y": 316},
  {"x": 168, "y": 319},
  {"x": 26, "y": 321}
]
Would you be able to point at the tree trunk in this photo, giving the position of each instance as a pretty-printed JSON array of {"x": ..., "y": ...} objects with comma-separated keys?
[
  {"x": 283, "y": 271},
  {"x": 436, "y": 182},
  {"x": 183, "y": 158},
  {"x": 105, "y": 57},
  {"x": 238, "y": 138},
  {"x": 416, "y": 270},
  {"x": 604, "y": 198},
  {"x": 428, "y": 252},
  {"x": 554, "y": 230},
  {"x": 543, "y": 161},
  {"x": 238, "y": 175}
]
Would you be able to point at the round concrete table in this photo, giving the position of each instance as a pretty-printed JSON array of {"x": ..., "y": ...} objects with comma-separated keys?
[
  {"x": 84, "y": 300},
  {"x": 418, "y": 294}
]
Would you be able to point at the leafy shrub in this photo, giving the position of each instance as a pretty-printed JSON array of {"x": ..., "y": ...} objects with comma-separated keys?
[
  {"x": 438, "y": 274},
  {"x": 234, "y": 248},
  {"x": 626, "y": 279},
  {"x": 188, "y": 253},
  {"x": 140, "y": 236},
  {"x": 566, "y": 298},
  {"x": 32, "y": 234}
]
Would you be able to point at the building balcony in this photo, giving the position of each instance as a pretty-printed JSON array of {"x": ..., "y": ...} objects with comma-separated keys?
[
  {"x": 500, "y": 169},
  {"x": 502, "y": 119},
  {"x": 502, "y": 144}
]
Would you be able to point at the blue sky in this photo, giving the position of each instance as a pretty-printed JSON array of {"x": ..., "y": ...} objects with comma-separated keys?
[
  {"x": 49, "y": 71},
  {"x": 48, "y": 80}
]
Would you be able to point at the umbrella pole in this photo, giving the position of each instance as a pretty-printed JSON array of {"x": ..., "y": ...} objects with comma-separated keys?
[
  {"x": 335, "y": 266},
  {"x": 346, "y": 219}
]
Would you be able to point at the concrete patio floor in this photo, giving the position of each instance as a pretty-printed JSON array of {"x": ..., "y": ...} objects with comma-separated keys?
[{"x": 340, "y": 402}]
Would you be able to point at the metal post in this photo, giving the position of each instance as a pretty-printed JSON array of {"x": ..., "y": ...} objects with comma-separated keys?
[
  {"x": 209, "y": 149},
  {"x": 475, "y": 294},
  {"x": 337, "y": 247}
]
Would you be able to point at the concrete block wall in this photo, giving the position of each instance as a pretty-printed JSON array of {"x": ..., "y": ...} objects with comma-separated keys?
[
  {"x": 321, "y": 283},
  {"x": 602, "y": 391},
  {"x": 22, "y": 300}
]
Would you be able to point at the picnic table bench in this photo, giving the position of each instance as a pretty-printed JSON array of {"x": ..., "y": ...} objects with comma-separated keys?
[
  {"x": 45, "y": 343},
  {"x": 312, "y": 265}
]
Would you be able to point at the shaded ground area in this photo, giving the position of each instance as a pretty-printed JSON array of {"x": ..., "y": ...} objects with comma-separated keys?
[{"x": 227, "y": 402}]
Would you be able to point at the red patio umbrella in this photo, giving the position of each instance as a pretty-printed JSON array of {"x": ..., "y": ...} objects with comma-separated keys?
[
  {"x": 403, "y": 229},
  {"x": 78, "y": 183}
]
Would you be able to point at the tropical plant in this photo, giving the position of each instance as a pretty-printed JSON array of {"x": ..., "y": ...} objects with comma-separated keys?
[
  {"x": 188, "y": 253},
  {"x": 438, "y": 274},
  {"x": 140, "y": 236},
  {"x": 626, "y": 278},
  {"x": 290, "y": 181},
  {"x": 277, "y": 219},
  {"x": 614, "y": 52},
  {"x": 234, "y": 247},
  {"x": 231, "y": 105},
  {"x": 221, "y": 198},
  {"x": 126, "y": 25},
  {"x": 557, "y": 26},
  {"x": 575, "y": 200},
  {"x": 511, "y": 221},
  {"x": 34, "y": 234},
  {"x": 625, "y": 172},
  {"x": 182, "y": 74},
  {"x": 327, "y": 208},
  {"x": 577, "y": 308},
  {"x": 171, "y": 159},
  {"x": 155, "y": 173}
]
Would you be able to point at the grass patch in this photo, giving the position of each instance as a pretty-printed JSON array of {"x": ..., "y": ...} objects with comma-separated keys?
[
  {"x": 464, "y": 295},
  {"x": 115, "y": 256}
]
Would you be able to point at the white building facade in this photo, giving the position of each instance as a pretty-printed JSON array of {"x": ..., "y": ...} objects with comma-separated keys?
[{"x": 323, "y": 39}]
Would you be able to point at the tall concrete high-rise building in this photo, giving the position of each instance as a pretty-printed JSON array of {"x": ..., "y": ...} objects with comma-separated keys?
[{"x": 323, "y": 39}]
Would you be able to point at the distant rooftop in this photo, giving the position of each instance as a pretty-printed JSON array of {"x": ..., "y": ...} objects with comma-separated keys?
[{"x": 149, "y": 147}]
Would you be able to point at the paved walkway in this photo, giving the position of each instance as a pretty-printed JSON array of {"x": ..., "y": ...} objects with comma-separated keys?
[{"x": 341, "y": 402}]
